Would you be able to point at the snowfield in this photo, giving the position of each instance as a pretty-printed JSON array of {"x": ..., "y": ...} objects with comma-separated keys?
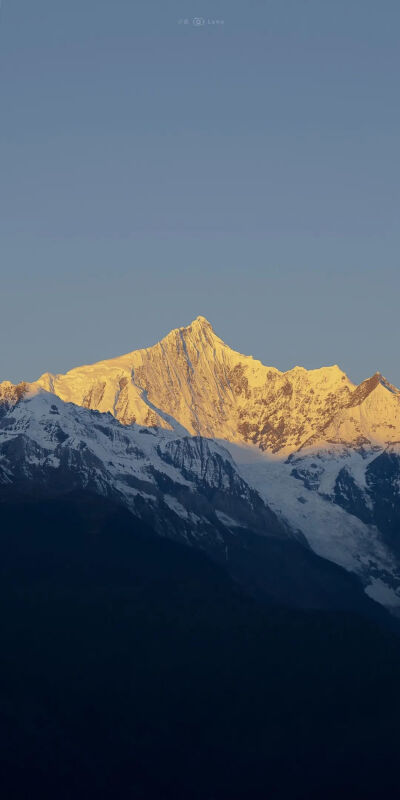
[{"x": 153, "y": 426}]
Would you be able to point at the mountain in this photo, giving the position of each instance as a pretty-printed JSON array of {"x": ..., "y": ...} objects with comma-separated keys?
[
  {"x": 192, "y": 546},
  {"x": 207, "y": 443},
  {"x": 213, "y": 391},
  {"x": 187, "y": 488}
]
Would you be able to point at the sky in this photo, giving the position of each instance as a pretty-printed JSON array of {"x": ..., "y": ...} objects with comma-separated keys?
[{"x": 246, "y": 169}]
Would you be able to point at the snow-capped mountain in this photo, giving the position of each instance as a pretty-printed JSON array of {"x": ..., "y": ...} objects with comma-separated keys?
[
  {"x": 204, "y": 440},
  {"x": 213, "y": 391},
  {"x": 185, "y": 487},
  {"x": 46, "y": 443}
]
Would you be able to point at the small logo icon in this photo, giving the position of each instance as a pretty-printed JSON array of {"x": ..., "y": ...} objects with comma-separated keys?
[{"x": 198, "y": 21}]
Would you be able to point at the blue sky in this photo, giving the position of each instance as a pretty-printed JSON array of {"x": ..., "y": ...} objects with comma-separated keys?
[{"x": 246, "y": 170}]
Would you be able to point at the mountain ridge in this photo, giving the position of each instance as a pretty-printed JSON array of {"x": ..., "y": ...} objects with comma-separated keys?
[
  {"x": 186, "y": 488},
  {"x": 212, "y": 390},
  {"x": 321, "y": 452}
]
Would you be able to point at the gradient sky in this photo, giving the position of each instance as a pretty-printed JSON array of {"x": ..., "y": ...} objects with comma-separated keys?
[{"x": 246, "y": 170}]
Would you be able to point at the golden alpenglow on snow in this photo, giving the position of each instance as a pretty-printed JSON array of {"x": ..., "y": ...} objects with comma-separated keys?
[
  {"x": 193, "y": 377},
  {"x": 302, "y": 451}
]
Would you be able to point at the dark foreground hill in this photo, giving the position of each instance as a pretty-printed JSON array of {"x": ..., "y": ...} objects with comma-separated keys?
[{"x": 133, "y": 667}]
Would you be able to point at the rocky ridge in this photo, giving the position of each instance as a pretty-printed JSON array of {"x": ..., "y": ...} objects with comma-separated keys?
[{"x": 321, "y": 452}]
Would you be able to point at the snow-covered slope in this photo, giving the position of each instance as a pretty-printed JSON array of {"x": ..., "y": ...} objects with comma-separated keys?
[
  {"x": 303, "y": 496},
  {"x": 47, "y": 443},
  {"x": 213, "y": 391},
  {"x": 324, "y": 453},
  {"x": 209, "y": 388},
  {"x": 186, "y": 487}
]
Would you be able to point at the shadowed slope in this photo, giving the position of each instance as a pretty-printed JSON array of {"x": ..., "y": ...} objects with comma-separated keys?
[{"x": 133, "y": 667}]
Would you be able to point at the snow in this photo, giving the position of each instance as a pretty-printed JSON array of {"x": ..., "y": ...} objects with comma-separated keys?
[
  {"x": 175, "y": 506},
  {"x": 382, "y": 593},
  {"x": 192, "y": 383},
  {"x": 227, "y": 520},
  {"x": 115, "y": 457},
  {"x": 330, "y": 531}
]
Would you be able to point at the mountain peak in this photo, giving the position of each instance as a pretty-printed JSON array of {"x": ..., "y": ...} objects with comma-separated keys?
[
  {"x": 195, "y": 379},
  {"x": 200, "y": 323},
  {"x": 11, "y": 393},
  {"x": 199, "y": 329},
  {"x": 368, "y": 386}
]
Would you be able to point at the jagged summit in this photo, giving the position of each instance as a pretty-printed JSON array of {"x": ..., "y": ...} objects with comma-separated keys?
[
  {"x": 200, "y": 328},
  {"x": 321, "y": 451},
  {"x": 192, "y": 377},
  {"x": 201, "y": 322},
  {"x": 11, "y": 393}
]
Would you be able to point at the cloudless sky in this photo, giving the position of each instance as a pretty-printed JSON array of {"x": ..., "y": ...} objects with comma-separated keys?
[{"x": 246, "y": 169}]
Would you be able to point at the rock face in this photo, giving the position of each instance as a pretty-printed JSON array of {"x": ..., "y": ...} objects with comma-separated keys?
[
  {"x": 10, "y": 394},
  {"x": 306, "y": 450},
  {"x": 49, "y": 445},
  {"x": 185, "y": 488},
  {"x": 213, "y": 391}
]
